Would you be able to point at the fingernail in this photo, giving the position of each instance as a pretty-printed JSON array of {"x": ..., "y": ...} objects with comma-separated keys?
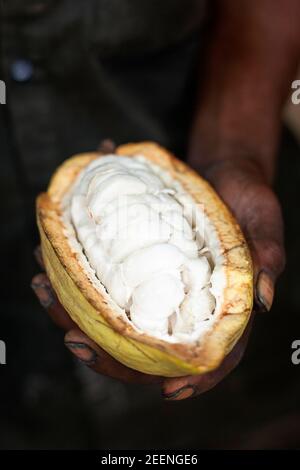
[
  {"x": 107, "y": 146},
  {"x": 264, "y": 291},
  {"x": 83, "y": 352},
  {"x": 181, "y": 393},
  {"x": 44, "y": 294}
]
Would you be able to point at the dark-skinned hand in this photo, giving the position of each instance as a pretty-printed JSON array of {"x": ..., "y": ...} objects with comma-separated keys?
[{"x": 257, "y": 210}]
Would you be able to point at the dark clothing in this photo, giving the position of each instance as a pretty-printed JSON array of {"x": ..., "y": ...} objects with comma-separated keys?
[
  {"x": 107, "y": 68},
  {"x": 81, "y": 71},
  {"x": 76, "y": 71}
]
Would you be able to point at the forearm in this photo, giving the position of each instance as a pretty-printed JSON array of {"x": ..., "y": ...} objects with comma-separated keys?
[{"x": 251, "y": 61}]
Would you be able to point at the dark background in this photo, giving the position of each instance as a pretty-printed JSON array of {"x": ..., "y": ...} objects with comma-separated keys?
[{"x": 47, "y": 400}]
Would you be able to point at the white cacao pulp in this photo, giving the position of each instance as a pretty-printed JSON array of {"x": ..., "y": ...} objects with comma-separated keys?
[{"x": 136, "y": 230}]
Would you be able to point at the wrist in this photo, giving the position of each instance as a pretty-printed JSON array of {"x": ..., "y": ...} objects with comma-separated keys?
[{"x": 211, "y": 148}]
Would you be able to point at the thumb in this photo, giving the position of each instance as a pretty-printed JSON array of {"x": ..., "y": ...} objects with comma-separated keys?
[
  {"x": 263, "y": 228},
  {"x": 257, "y": 210}
]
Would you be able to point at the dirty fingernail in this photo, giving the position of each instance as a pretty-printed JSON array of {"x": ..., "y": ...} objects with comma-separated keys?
[
  {"x": 44, "y": 294},
  {"x": 82, "y": 351},
  {"x": 107, "y": 146},
  {"x": 265, "y": 290},
  {"x": 181, "y": 393}
]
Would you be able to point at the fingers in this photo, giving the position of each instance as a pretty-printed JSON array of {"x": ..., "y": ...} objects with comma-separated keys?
[
  {"x": 101, "y": 362},
  {"x": 42, "y": 288},
  {"x": 264, "y": 232},
  {"x": 263, "y": 227},
  {"x": 258, "y": 211},
  {"x": 107, "y": 146},
  {"x": 181, "y": 388},
  {"x": 78, "y": 343}
]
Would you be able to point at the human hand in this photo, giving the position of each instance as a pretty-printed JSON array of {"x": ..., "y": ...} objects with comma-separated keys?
[
  {"x": 101, "y": 362},
  {"x": 258, "y": 212},
  {"x": 245, "y": 190},
  {"x": 241, "y": 184}
]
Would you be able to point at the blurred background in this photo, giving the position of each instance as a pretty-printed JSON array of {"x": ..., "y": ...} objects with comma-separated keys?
[{"x": 69, "y": 85}]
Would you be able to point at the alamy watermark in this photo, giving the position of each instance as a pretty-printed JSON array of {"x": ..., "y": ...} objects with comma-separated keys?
[
  {"x": 295, "y": 357},
  {"x": 2, "y": 352},
  {"x": 296, "y": 94},
  {"x": 147, "y": 217},
  {"x": 2, "y": 92}
]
